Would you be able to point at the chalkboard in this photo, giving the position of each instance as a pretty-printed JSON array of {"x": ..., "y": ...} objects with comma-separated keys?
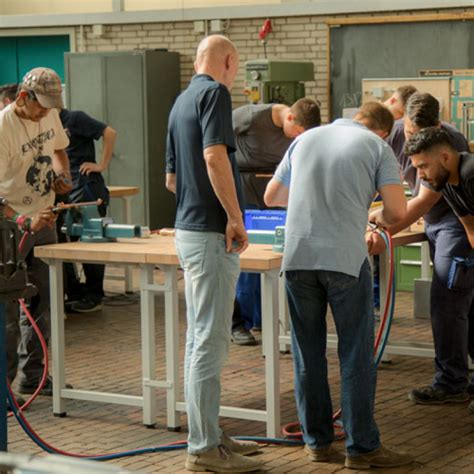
[{"x": 391, "y": 51}]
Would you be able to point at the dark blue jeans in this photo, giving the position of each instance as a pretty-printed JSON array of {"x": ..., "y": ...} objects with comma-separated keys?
[
  {"x": 452, "y": 311},
  {"x": 351, "y": 302}
]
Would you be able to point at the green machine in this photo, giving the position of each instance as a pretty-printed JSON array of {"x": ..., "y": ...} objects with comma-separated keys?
[{"x": 276, "y": 81}]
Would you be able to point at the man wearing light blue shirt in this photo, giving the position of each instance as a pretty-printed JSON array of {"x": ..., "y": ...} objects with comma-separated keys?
[{"x": 329, "y": 177}]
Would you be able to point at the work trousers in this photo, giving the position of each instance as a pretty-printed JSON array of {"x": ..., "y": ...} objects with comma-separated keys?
[
  {"x": 248, "y": 306},
  {"x": 351, "y": 301},
  {"x": 452, "y": 311},
  {"x": 23, "y": 346},
  {"x": 210, "y": 277}
]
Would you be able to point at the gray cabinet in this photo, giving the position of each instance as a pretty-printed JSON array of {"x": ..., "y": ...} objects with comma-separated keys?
[{"x": 132, "y": 92}]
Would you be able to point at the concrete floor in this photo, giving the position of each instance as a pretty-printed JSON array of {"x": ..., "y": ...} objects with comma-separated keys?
[{"x": 103, "y": 353}]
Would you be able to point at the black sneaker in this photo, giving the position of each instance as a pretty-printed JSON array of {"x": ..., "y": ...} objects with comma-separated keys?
[
  {"x": 86, "y": 305},
  {"x": 243, "y": 337},
  {"x": 47, "y": 390},
  {"x": 429, "y": 395},
  {"x": 19, "y": 399},
  {"x": 470, "y": 390}
]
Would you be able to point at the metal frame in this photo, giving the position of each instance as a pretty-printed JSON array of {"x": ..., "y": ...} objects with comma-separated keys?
[{"x": 148, "y": 289}]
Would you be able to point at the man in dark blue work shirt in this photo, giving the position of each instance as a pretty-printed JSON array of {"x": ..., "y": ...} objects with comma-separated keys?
[
  {"x": 88, "y": 185},
  {"x": 210, "y": 234},
  {"x": 451, "y": 310}
]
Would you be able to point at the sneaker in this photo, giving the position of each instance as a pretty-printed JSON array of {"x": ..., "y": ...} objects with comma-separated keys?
[
  {"x": 239, "y": 447},
  {"x": 381, "y": 457},
  {"x": 19, "y": 399},
  {"x": 221, "y": 459},
  {"x": 318, "y": 454},
  {"x": 429, "y": 395},
  {"x": 86, "y": 305},
  {"x": 470, "y": 390},
  {"x": 243, "y": 337},
  {"x": 47, "y": 390}
]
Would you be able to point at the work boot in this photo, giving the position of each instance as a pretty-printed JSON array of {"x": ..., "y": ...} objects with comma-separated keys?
[
  {"x": 242, "y": 337},
  {"x": 19, "y": 399},
  {"x": 86, "y": 305},
  {"x": 429, "y": 395},
  {"x": 47, "y": 390},
  {"x": 318, "y": 454},
  {"x": 221, "y": 459},
  {"x": 381, "y": 457},
  {"x": 239, "y": 447}
]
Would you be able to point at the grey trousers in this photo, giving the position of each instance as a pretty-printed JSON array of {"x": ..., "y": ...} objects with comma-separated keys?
[{"x": 23, "y": 346}]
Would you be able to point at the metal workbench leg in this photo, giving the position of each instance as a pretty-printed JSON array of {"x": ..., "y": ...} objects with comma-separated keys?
[
  {"x": 283, "y": 313},
  {"x": 127, "y": 217},
  {"x": 172, "y": 346},
  {"x": 57, "y": 335},
  {"x": 270, "y": 320},
  {"x": 147, "y": 314}
]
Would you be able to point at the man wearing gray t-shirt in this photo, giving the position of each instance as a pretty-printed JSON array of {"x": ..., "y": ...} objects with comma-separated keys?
[
  {"x": 263, "y": 133},
  {"x": 329, "y": 177}
]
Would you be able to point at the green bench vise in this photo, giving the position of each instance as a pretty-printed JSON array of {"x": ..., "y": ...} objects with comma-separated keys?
[
  {"x": 276, "y": 238},
  {"x": 86, "y": 223}
]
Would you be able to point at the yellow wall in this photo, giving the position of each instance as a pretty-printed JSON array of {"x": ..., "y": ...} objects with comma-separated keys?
[
  {"x": 25, "y": 7},
  {"x": 177, "y": 4}
]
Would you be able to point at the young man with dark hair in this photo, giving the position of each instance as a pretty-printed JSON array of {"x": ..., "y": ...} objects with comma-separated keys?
[
  {"x": 325, "y": 261},
  {"x": 445, "y": 170},
  {"x": 263, "y": 133},
  {"x": 450, "y": 309},
  {"x": 8, "y": 94},
  {"x": 397, "y": 101}
]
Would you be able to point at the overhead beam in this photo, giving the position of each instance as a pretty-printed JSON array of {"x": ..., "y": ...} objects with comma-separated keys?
[{"x": 285, "y": 9}]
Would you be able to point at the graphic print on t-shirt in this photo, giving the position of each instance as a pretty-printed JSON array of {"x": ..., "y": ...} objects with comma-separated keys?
[{"x": 40, "y": 175}]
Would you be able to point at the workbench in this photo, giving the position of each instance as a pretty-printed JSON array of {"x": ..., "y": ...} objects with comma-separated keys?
[
  {"x": 147, "y": 254},
  {"x": 160, "y": 251}
]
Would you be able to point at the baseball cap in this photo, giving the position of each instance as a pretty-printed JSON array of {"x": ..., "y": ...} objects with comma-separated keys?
[{"x": 46, "y": 85}]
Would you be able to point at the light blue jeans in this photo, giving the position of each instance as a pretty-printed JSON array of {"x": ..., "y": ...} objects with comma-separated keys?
[{"x": 210, "y": 278}]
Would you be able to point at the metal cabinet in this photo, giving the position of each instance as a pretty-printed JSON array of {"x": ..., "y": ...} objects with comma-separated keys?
[{"x": 133, "y": 92}]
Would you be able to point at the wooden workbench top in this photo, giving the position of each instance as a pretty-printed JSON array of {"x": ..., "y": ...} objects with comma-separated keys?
[
  {"x": 161, "y": 250},
  {"x": 155, "y": 250},
  {"x": 122, "y": 191}
]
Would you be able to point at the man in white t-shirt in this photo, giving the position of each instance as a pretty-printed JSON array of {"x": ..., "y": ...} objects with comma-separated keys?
[{"x": 33, "y": 168}]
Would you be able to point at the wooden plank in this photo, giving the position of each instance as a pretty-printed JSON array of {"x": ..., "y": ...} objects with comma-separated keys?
[
  {"x": 122, "y": 191},
  {"x": 366, "y": 20}
]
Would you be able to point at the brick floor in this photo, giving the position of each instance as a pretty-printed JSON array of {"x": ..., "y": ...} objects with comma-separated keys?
[{"x": 103, "y": 353}]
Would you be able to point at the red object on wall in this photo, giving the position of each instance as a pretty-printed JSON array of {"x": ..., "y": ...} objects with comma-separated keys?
[{"x": 265, "y": 29}]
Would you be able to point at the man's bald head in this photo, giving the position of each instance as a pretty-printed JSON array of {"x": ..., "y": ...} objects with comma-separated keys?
[{"x": 217, "y": 56}]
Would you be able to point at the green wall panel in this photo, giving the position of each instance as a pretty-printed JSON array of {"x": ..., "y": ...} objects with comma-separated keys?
[
  {"x": 47, "y": 51},
  {"x": 20, "y": 54},
  {"x": 9, "y": 64}
]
